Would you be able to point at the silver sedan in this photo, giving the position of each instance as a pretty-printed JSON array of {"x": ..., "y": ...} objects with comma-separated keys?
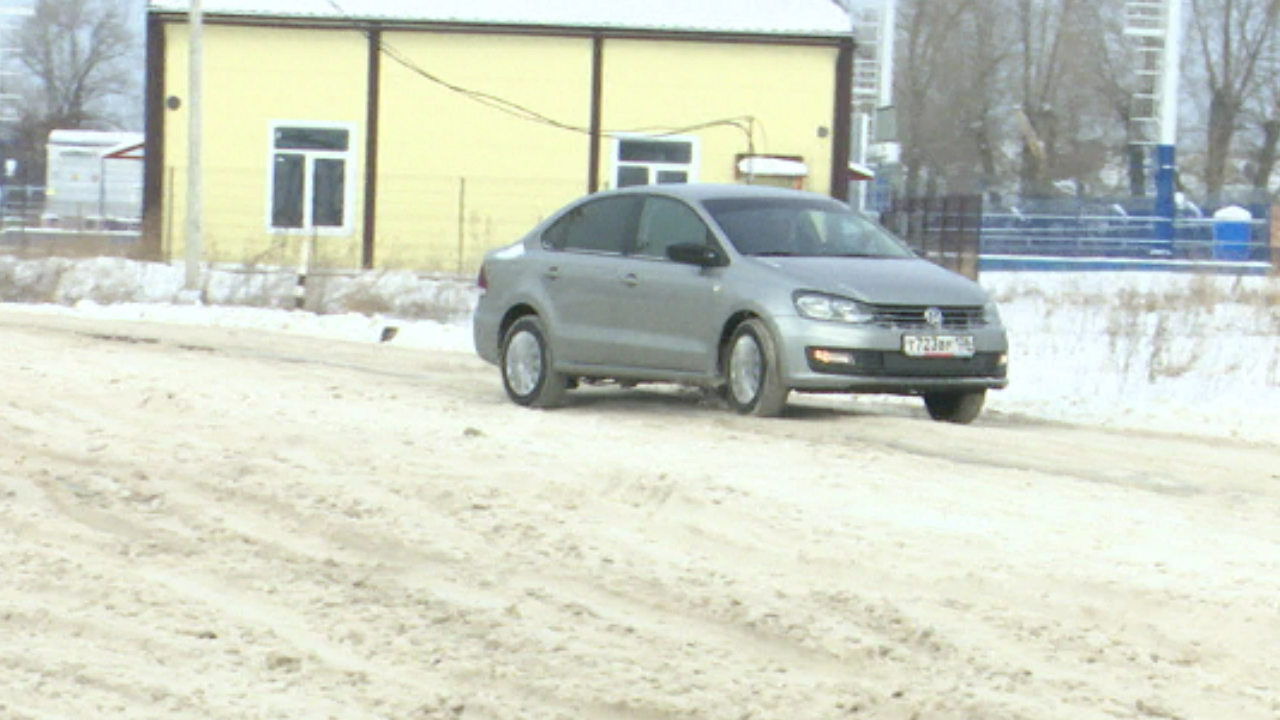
[{"x": 755, "y": 292}]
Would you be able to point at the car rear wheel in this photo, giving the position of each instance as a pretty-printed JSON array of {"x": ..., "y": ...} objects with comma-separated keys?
[
  {"x": 753, "y": 385},
  {"x": 527, "y": 375},
  {"x": 955, "y": 407}
]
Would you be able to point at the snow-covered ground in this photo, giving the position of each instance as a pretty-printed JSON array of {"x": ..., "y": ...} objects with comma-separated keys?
[
  {"x": 1182, "y": 353},
  {"x": 1166, "y": 352},
  {"x": 204, "y": 521}
]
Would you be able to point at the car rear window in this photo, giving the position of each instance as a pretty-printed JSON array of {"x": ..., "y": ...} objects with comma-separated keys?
[{"x": 598, "y": 226}]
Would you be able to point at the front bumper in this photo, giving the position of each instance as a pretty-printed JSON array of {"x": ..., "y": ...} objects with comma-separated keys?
[{"x": 869, "y": 358}]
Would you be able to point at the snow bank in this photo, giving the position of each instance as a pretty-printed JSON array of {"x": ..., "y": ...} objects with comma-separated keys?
[
  {"x": 1166, "y": 352},
  {"x": 107, "y": 281}
]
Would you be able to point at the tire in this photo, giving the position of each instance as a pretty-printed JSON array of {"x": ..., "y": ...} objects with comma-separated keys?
[
  {"x": 961, "y": 408},
  {"x": 526, "y": 362},
  {"x": 752, "y": 384}
]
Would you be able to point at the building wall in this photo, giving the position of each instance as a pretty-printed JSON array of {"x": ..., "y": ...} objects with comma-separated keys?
[
  {"x": 253, "y": 75},
  {"x": 786, "y": 90},
  {"x": 456, "y": 176}
]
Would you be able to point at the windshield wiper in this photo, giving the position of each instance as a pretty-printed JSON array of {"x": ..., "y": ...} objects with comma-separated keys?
[{"x": 773, "y": 253}]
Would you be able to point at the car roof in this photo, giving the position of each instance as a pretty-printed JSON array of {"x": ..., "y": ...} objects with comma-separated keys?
[{"x": 699, "y": 192}]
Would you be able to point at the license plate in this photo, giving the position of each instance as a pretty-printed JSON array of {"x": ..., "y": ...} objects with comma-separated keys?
[{"x": 938, "y": 346}]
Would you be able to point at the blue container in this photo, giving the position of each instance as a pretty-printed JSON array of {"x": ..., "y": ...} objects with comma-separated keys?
[{"x": 1231, "y": 228}]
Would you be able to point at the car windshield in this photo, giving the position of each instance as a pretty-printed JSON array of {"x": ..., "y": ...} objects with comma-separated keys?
[{"x": 802, "y": 227}]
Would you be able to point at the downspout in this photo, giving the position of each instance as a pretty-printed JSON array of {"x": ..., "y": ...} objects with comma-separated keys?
[
  {"x": 597, "y": 87},
  {"x": 371, "y": 132},
  {"x": 842, "y": 124}
]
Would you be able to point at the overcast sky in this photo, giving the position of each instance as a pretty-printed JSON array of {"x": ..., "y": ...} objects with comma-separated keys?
[{"x": 129, "y": 109}]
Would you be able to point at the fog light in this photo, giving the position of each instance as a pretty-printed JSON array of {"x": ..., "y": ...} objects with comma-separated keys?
[{"x": 831, "y": 357}]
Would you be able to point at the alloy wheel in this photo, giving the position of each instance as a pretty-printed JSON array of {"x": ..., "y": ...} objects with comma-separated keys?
[
  {"x": 746, "y": 368},
  {"x": 524, "y": 363}
]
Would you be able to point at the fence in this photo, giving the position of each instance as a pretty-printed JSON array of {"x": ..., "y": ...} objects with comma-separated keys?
[
  {"x": 958, "y": 231},
  {"x": 446, "y": 224},
  {"x": 1098, "y": 229},
  {"x": 946, "y": 229},
  {"x": 424, "y": 223},
  {"x": 27, "y": 230}
]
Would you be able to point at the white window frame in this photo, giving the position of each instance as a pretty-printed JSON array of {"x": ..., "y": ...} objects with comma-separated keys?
[
  {"x": 348, "y": 157},
  {"x": 690, "y": 168}
]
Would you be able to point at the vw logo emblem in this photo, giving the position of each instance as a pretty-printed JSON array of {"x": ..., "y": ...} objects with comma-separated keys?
[{"x": 933, "y": 316}]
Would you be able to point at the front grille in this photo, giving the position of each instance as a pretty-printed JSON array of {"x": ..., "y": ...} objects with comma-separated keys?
[{"x": 909, "y": 317}]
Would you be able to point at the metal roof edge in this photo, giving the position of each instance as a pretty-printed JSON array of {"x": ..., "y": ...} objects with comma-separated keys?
[
  {"x": 173, "y": 12},
  {"x": 585, "y": 30}
]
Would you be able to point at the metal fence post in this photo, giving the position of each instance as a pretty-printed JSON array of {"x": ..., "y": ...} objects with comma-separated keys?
[
  {"x": 304, "y": 266},
  {"x": 1273, "y": 219}
]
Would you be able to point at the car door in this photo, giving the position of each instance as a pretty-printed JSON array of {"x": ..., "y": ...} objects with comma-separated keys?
[
  {"x": 581, "y": 278},
  {"x": 669, "y": 314}
]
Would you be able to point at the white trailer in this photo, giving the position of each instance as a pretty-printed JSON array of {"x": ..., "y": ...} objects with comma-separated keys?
[{"x": 94, "y": 179}]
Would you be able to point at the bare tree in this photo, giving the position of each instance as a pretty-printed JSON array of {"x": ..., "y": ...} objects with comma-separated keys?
[
  {"x": 980, "y": 78},
  {"x": 985, "y": 56},
  {"x": 998, "y": 93},
  {"x": 1044, "y": 39},
  {"x": 1231, "y": 37},
  {"x": 77, "y": 54},
  {"x": 1264, "y": 166},
  {"x": 1263, "y": 115},
  {"x": 960, "y": 122},
  {"x": 926, "y": 36}
]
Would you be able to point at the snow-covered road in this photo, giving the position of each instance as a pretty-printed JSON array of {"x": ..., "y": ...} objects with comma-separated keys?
[{"x": 227, "y": 523}]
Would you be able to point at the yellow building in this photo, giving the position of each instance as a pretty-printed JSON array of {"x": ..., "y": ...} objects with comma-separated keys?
[{"x": 418, "y": 135}]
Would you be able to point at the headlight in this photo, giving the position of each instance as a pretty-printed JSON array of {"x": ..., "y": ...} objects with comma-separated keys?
[
  {"x": 828, "y": 307},
  {"x": 991, "y": 313}
]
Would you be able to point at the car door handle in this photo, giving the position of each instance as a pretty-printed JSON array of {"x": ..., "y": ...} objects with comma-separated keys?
[
  {"x": 552, "y": 273},
  {"x": 630, "y": 280}
]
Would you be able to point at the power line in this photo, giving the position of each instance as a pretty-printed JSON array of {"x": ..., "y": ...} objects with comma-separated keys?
[{"x": 744, "y": 123}]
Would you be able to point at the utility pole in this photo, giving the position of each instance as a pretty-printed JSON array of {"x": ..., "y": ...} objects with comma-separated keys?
[
  {"x": 1166, "y": 150},
  {"x": 195, "y": 24}
]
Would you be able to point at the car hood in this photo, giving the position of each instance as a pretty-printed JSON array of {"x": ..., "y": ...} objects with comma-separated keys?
[{"x": 881, "y": 281}]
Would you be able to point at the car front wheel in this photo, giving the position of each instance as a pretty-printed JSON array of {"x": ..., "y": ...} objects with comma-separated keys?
[
  {"x": 955, "y": 407},
  {"x": 527, "y": 374},
  {"x": 753, "y": 384}
]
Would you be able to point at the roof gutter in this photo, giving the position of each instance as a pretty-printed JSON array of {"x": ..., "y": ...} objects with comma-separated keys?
[{"x": 575, "y": 31}]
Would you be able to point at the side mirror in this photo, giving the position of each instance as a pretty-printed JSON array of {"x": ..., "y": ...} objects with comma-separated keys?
[{"x": 696, "y": 254}]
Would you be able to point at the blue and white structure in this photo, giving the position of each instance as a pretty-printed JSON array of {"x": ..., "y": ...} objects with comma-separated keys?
[{"x": 1156, "y": 25}]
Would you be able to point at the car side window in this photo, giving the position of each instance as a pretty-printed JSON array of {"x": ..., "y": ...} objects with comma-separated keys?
[
  {"x": 665, "y": 222},
  {"x": 601, "y": 226}
]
